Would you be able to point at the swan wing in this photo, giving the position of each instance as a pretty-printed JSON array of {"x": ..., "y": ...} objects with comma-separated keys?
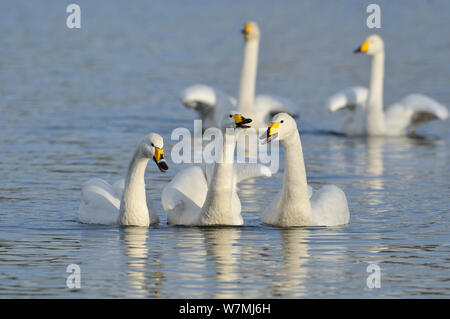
[
  {"x": 99, "y": 203},
  {"x": 266, "y": 106},
  {"x": 244, "y": 171},
  {"x": 329, "y": 206},
  {"x": 198, "y": 94},
  {"x": 412, "y": 111},
  {"x": 119, "y": 187},
  {"x": 208, "y": 101},
  {"x": 349, "y": 98},
  {"x": 184, "y": 196}
]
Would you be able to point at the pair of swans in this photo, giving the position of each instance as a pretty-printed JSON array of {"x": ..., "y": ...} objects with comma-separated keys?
[
  {"x": 189, "y": 200},
  {"x": 209, "y": 197},
  {"x": 212, "y": 104},
  {"x": 368, "y": 116}
]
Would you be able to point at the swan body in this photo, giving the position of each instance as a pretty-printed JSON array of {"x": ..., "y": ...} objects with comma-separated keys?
[
  {"x": 124, "y": 202},
  {"x": 368, "y": 117},
  {"x": 208, "y": 196},
  {"x": 184, "y": 196},
  {"x": 212, "y": 104},
  {"x": 298, "y": 204}
]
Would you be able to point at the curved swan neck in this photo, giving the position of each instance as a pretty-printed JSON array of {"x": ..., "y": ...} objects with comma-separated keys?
[
  {"x": 375, "y": 116},
  {"x": 217, "y": 207},
  {"x": 133, "y": 206},
  {"x": 248, "y": 77},
  {"x": 295, "y": 207}
]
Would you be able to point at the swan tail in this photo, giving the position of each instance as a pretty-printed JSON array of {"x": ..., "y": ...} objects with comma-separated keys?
[{"x": 330, "y": 206}]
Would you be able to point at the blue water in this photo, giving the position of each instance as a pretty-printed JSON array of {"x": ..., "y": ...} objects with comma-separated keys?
[{"x": 74, "y": 103}]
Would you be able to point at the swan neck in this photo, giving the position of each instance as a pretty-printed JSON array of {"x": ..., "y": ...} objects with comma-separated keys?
[
  {"x": 375, "y": 116},
  {"x": 133, "y": 206},
  {"x": 248, "y": 77},
  {"x": 295, "y": 187},
  {"x": 217, "y": 208}
]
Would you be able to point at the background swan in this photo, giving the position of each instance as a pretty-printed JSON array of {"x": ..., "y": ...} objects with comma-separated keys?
[
  {"x": 297, "y": 204},
  {"x": 212, "y": 103},
  {"x": 208, "y": 196},
  {"x": 368, "y": 117},
  {"x": 125, "y": 202}
]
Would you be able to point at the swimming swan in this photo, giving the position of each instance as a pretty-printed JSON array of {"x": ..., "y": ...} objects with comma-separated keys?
[
  {"x": 212, "y": 104},
  {"x": 209, "y": 197},
  {"x": 297, "y": 204},
  {"x": 368, "y": 117},
  {"x": 124, "y": 203}
]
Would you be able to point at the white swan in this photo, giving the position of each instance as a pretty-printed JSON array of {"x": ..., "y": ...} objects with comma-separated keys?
[
  {"x": 297, "y": 204},
  {"x": 209, "y": 197},
  {"x": 368, "y": 117},
  {"x": 125, "y": 202},
  {"x": 212, "y": 104}
]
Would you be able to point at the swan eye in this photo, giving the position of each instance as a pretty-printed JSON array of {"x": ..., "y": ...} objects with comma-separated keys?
[
  {"x": 282, "y": 121},
  {"x": 231, "y": 116},
  {"x": 153, "y": 145}
]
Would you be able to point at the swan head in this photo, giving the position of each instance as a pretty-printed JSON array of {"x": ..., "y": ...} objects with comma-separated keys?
[
  {"x": 372, "y": 45},
  {"x": 151, "y": 146},
  {"x": 235, "y": 119},
  {"x": 250, "y": 31},
  {"x": 281, "y": 126}
]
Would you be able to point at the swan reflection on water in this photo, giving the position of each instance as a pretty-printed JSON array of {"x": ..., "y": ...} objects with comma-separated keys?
[
  {"x": 294, "y": 247},
  {"x": 221, "y": 260},
  {"x": 222, "y": 245},
  {"x": 143, "y": 276}
]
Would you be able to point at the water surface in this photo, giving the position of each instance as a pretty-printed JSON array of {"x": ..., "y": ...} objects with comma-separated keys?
[{"x": 74, "y": 103}]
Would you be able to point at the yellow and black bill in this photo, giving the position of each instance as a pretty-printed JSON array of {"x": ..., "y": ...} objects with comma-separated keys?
[
  {"x": 271, "y": 132},
  {"x": 241, "y": 121},
  {"x": 362, "y": 48},
  {"x": 246, "y": 30},
  {"x": 159, "y": 159}
]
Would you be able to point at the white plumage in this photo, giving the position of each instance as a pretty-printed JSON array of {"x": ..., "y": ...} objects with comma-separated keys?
[
  {"x": 100, "y": 203},
  {"x": 212, "y": 104},
  {"x": 298, "y": 204},
  {"x": 207, "y": 195},
  {"x": 125, "y": 202},
  {"x": 368, "y": 116},
  {"x": 185, "y": 195}
]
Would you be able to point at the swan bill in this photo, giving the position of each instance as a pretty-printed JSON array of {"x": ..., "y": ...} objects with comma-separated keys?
[
  {"x": 241, "y": 121},
  {"x": 271, "y": 133},
  {"x": 362, "y": 48},
  {"x": 162, "y": 165},
  {"x": 246, "y": 30},
  {"x": 159, "y": 159}
]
